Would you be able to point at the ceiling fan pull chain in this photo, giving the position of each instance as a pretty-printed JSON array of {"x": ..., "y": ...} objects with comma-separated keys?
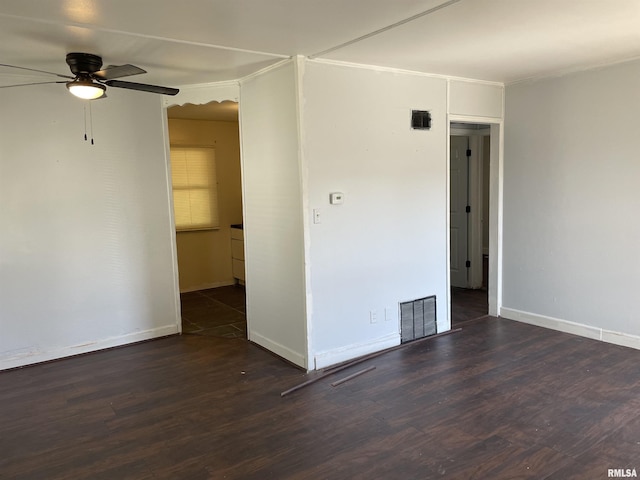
[
  {"x": 91, "y": 122},
  {"x": 85, "y": 122}
]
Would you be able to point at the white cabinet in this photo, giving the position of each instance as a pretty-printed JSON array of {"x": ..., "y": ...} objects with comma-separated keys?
[{"x": 237, "y": 252}]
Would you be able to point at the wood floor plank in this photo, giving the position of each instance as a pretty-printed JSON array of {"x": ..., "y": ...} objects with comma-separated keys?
[{"x": 499, "y": 400}]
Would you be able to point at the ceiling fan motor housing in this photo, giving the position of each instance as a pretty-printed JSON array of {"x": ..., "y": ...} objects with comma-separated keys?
[{"x": 83, "y": 63}]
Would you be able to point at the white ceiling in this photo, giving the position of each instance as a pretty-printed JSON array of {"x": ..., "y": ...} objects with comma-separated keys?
[{"x": 202, "y": 41}]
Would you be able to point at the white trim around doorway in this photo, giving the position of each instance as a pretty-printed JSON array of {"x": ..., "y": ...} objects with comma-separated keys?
[{"x": 495, "y": 207}]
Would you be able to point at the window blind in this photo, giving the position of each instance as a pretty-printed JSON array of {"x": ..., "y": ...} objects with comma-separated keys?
[{"x": 195, "y": 189}]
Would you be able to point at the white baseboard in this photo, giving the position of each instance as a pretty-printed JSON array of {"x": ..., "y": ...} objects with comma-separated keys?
[
  {"x": 35, "y": 356},
  {"x": 596, "y": 333},
  {"x": 275, "y": 347},
  {"x": 206, "y": 286},
  {"x": 349, "y": 352},
  {"x": 624, "y": 339}
]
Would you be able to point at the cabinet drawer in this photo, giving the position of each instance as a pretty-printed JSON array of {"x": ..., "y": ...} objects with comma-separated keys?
[
  {"x": 238, "y": 269},
  {"x": 237, "y": 249},
  {"x": 237, "y": 234}
]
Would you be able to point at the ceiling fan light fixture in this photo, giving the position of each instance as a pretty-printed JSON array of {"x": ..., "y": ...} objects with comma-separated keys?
[{"x": 86, "y": 89}]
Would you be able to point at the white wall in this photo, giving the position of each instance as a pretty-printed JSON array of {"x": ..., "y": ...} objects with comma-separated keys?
[
  {"x": 86, "y": 247},
  {"x": 274, "y": 237},
  {"x": 479, "y": 99},
  {"x": 571, "y": 203},
  {"x": 388, "y": 242}
]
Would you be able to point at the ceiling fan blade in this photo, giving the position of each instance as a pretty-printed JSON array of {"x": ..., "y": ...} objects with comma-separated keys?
[
  {"x": 27, "y": 84},
  {"x": 142, "y": 87},
  {"x": 118, "y": 71},
  {"x": 34, "y": 70}
]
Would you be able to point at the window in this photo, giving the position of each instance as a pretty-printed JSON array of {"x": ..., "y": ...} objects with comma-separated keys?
[{"x": 195, "y": 189}]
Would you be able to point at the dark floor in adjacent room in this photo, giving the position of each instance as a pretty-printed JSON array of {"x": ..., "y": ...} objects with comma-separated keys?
[
  {"x": 468, "y": 304},
  {"x": 499, "y": 399},
  {"x": 216, "y": 312}
]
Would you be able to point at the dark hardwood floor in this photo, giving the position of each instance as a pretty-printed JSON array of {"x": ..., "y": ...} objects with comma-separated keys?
[
  {"x": 498, "y": 400},
  {"x": 216, "y": 312},
  {"x": 468, "y": 304}
]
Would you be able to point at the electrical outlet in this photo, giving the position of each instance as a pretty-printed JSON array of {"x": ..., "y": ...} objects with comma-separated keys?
[{"x": 373, "y": 316}]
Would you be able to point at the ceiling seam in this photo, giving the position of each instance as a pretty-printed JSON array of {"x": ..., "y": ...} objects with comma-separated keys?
[
  {"x": 142, "y": 35},
  {"x": 569, "y": 71},
  {"x": 386, "y": 28},
  {"x": 382, "y": 68}
]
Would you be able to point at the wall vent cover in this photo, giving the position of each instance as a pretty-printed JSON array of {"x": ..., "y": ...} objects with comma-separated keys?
[
  {"x": 420, "y": 120},
  {"x": 418, "y": 319}
]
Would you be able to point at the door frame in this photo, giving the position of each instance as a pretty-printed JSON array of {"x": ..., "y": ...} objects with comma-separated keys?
[
  {"x": 196, "y": 95},
  {"x": 496, "y": 163}
]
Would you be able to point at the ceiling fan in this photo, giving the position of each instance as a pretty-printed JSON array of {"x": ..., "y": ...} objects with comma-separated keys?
[{"x": 90, "y": 80}]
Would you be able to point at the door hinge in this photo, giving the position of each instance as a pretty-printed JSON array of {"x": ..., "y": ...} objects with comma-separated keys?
[
  {"x": 468, "y": 264},
  {"x": 468, "y": 209},
  {"x": 468, "y": 152}
]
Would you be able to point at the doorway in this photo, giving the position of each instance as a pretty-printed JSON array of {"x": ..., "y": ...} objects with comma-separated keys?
[
  {"x": 470, "y": 153},
  {"x": 212, "y": 298}
]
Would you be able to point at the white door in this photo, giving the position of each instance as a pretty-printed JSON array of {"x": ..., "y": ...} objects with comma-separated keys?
[{"x": 459, "y": 174}]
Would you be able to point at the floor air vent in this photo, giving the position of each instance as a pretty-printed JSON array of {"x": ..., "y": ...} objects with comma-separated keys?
[{"x": 418, "y": 319}]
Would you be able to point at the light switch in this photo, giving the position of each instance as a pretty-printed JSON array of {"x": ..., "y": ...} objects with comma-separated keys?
[
  {"x": 316, "y": 215},
  {"x": 336, "y": 198}
]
